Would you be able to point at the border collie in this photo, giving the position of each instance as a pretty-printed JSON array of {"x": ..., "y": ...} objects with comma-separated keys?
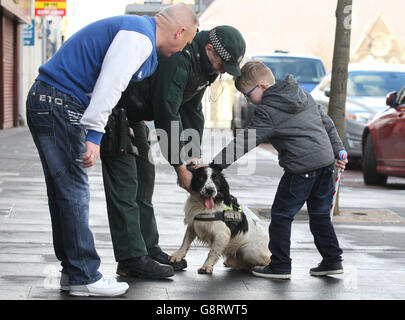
[{"x": 240, "y": 240}]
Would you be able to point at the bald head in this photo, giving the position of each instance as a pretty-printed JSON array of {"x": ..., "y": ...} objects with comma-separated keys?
[
  {"x": 175, "y": 27},
  {"x": 177, "y": 15}
]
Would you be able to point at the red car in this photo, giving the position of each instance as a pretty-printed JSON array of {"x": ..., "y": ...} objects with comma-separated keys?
[{"x": 383, "y": 142}]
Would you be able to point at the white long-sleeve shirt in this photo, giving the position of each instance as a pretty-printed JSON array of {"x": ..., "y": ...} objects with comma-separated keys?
[{"x": 96, "y": 64}]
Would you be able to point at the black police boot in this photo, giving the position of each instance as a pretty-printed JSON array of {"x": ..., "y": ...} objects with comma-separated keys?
[
  {"x": 161, "y": 257},
  {"x": 144, "y": 267},
  {"x": 326, "y": 269}
]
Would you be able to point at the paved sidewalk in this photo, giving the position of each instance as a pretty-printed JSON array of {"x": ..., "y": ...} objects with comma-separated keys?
[{"x": 374, "y": 253}]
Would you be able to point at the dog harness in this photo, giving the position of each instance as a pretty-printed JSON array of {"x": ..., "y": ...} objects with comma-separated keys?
[{"x": 232, "y": 213}]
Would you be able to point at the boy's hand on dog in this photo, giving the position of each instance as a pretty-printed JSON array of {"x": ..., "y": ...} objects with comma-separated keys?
[
  {"x": 201, "y": 165},
  {"x": 190, "y": 163},
  {"x": 195, "y": 163}
]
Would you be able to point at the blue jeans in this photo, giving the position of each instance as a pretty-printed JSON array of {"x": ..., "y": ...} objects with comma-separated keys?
[
  {"x": 53, "y": 118},
  {"x": 316, "y": 189}
]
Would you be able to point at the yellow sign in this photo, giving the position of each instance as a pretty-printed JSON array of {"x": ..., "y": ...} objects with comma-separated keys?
[{"x": 50, "y": 8}]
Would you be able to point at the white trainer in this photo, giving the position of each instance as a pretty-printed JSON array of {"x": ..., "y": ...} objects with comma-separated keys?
[{"x": 105, "y": 287}]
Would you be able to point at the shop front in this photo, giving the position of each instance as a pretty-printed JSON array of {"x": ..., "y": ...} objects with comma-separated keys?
[{"x": 12, "y": 13}]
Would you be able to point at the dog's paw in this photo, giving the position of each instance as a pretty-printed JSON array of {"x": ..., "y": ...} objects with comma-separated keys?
[
  {"x": 176, "y": 257},
  {"x": 205, "y": 270}
]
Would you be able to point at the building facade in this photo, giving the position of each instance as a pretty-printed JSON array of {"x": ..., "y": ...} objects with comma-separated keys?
[{"x": 13, "y": 13}]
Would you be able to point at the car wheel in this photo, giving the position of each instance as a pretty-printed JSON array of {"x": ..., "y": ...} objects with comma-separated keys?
[{"x": 370, "y": 174}]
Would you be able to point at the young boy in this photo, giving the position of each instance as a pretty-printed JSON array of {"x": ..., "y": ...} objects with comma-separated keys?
[{"x": 307, "y": 143}]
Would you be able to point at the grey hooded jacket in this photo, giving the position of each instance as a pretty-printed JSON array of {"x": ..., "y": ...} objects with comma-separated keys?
[{"x": 289, "y": 118}]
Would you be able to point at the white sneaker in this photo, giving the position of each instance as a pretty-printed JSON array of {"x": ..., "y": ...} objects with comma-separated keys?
[{"x": 105, "y": 287}]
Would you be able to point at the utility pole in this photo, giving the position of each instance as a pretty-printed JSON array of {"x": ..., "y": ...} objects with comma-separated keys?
[{"x": 341, "y": 57}]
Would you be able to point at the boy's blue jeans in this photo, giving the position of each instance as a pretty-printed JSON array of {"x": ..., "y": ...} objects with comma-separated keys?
[
  {"x": 316, "y": 189},
  {"x": 53, "y": 118}
]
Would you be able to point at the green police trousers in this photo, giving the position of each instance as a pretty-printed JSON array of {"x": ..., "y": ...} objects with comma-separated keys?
[{"x": 128, "y": 184}]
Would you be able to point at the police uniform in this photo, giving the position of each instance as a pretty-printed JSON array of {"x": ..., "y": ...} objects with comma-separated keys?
[{"x": 174, "y": 93}]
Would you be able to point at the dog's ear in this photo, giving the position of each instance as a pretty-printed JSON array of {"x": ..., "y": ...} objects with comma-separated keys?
[
  {"x": 227, "y": 198},
  {"x": 234, "y": 201},
  {"x": 224, "y": 190}
]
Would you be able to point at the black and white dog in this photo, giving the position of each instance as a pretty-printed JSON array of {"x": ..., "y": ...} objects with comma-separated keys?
[{"x": 229, "y": 233}]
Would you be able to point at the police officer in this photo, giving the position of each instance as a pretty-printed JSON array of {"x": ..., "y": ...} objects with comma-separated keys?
[{"x": 172, "y": 96}]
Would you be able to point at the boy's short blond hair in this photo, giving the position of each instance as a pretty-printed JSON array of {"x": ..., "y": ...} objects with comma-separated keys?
[{"x": 252, "y": 73}]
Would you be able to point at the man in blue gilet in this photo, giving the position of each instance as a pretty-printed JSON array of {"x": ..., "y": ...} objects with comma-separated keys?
[{"x": 67, "y": 110}]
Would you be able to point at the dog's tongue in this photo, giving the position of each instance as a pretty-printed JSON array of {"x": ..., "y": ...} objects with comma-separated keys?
[{"x": 209, "y": 203}]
